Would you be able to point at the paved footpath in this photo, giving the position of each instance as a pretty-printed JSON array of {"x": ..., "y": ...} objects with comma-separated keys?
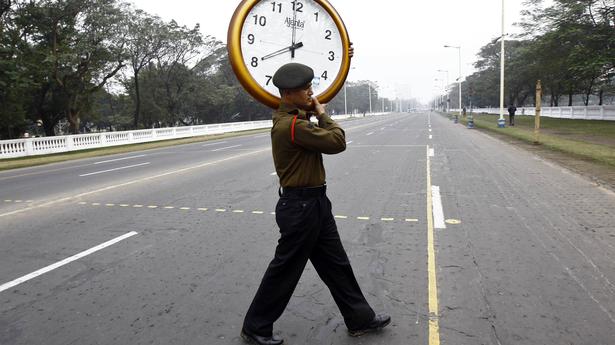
[{"x": 168, "y": 246}]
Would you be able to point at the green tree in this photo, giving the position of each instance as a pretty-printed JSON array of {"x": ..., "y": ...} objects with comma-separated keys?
[{"x": 147, "y": 39}]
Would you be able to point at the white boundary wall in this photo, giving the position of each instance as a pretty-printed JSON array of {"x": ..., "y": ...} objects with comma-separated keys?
[
  {"x": 605, "y": 112},
  {"x": 59, "y": 144}
]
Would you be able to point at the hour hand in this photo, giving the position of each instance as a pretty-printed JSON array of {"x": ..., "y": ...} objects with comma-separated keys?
[{"x": 283, "y": 50}]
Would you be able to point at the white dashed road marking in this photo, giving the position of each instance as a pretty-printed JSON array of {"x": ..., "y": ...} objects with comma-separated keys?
[
  {"x": 66, "y": 261},
  {"x": 225, "y": 148},
  {"x": 438, "y": 213},
  {"x": 119, "y": 159},
  {"x": 218, "y": 143},
  {"x": 116, "y": 169}
]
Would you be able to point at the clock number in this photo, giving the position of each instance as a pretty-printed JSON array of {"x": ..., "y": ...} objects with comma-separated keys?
[
  {"x": 324, "y": 76},
  {"x": 254, "y": 62},
  {"x": 297, "y": 6},
  {"x": 278, "y": 6},
  {"x": 331, "y": 56},
  {"x": 316, "y": 14},
  {"x": 262, "y": 20},
  {"x": 268, "y": 79},
  {"x": 251, "y": 39},
  {"x": 328, "y": 35}
]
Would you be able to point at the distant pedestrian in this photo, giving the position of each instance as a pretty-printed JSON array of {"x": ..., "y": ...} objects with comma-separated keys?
[
  {"x": 511, "y": 115},
  {"x": 464, "y": 111},
  {"x": 303, "y": 213}
]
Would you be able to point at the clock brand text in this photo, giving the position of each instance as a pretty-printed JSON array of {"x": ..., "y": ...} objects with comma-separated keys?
[{"x": 299, "y": 24}]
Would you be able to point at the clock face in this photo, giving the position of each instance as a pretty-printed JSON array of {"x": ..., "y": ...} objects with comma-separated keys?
[{"x": 275, "y": 33}]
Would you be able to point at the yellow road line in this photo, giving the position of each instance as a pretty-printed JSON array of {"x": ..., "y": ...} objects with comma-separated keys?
[
  {"x": 220, "y": 210},
  {"x": 412, "y": 220},
  {"x": 184, "y": 208},
  {"x": 238, "y": 211},
  {"x": 137, "y": 206},
  {"x": 341, "y": 217},
  {"x": 169, "y": 207},
  {"x": 434, "y": 322},
  {"x": 363, "y": 218},
  {"x": 202, "y": 209},
  {"x": 258, "y": 212},
  {"x": 152, "y": 206},
  {"x": 387, "y": 219}
]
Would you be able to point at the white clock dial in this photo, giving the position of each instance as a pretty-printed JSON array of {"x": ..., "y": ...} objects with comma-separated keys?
[{"x": 267, "y": 42}]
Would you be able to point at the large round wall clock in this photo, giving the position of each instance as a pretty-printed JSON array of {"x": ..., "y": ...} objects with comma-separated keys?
[{"x": 264, "y": 35}]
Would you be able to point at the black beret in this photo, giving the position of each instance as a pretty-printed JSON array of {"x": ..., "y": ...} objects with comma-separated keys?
[{"x": 293, "y": 76}]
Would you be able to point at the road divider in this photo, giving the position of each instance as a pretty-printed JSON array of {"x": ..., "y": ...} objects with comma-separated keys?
[{"x": 434, "y": 314}]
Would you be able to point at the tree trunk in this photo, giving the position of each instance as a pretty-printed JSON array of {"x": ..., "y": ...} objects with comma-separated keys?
[
  {"x": 552, "y": 100},
  {"x": 588, "y": 92},
  {"x": 601, "y": 95},
  {"x": 74, "y": 121},
  {"x": 138, "y": 100},
  {"x": 570, "y": 98}
]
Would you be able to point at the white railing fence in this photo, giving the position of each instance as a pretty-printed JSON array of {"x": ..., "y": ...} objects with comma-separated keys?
[
  {"x": 50, "y": 145},
  {"x": 604, "y": 112}
]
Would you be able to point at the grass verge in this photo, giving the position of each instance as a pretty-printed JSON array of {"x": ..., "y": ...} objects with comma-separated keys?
[
  {"x": 15, "y": 163},
  {"x": 590, "y": 140}
]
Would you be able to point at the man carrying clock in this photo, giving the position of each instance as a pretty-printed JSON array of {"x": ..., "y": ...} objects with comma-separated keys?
[{"x": 303, "y": 213}]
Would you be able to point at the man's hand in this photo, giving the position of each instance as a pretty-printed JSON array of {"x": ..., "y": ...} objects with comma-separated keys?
[
  {"x": 351, "y": 51},
  {"x": 319, "y": 109}
]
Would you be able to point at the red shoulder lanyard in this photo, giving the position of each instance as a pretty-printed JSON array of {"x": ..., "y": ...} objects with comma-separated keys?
[{"x": 292, "y": 129}]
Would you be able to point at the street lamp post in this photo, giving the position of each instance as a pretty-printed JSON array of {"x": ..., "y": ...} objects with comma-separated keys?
[
  {"x": 345, "y": 100},
  {"x": 501, "y": 121},
  {"x": 459, "y": 50},
  {"x": 345, "y": 95}
]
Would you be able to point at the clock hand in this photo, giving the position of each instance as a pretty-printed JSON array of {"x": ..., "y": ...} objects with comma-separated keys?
[
  {"x": 292, "y": 50},
  {"x": 282, "y": 51}
]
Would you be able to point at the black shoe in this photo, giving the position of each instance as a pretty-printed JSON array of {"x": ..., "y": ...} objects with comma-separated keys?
[
  {"x": 252, "y": 338},
  {"x": 379, "y": 322}
]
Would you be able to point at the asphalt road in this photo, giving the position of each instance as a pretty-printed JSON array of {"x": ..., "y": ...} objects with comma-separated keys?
[{"x": 168, "y": 246}]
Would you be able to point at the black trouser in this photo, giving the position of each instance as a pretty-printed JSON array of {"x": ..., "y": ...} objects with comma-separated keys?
[
  {"x": 511, "y": 120},
  {"x": 308, "y": 231}
]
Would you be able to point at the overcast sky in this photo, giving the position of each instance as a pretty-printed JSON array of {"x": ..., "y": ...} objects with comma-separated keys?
[{"x": 398, "y": 43}]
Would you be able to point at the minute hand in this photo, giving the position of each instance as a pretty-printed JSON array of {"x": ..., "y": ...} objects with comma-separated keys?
[{"x": 283, "y": 50}]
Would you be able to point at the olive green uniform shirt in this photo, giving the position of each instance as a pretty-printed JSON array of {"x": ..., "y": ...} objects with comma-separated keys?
[{"x": 298, "y": 146}]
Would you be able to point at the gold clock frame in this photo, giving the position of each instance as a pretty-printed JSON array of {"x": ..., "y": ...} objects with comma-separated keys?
[{"x": 243, "y": 74}]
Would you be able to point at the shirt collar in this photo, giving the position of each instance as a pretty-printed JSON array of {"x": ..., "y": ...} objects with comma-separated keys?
[{"x": 292, "y": 110}]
